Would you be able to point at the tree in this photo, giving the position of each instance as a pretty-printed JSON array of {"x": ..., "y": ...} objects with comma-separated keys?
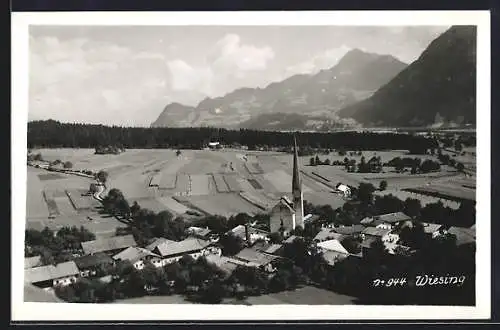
[
  {"x": 312, "y": 162},
  {"x": 412, "y": 207},
  {"x": 383, "y": 185},
  {"x": 365, "y": 192},
  {"x": 68, "y": 164},
  {"x": 178, "y": 153},
  {"x": 231, "y": 244},
  {"x": 317, "y": 161},
  {"x": 460, "y": 167},
  {"x": 458, "y": 145}
]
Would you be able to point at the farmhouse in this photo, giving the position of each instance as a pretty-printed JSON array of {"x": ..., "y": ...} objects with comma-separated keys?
[
  {"x": 158, "y": 241},
  {"x": 49, "y": 276},
  {"x": 384, "y": 234},
  {"x": 386, "y": 221},
  {"x": 91, "y": 265},
  {"x": 195, "y": 247},
  {"x": 203, "y": 233},
  {"x": 138, "y": 257},
  {"x": 349, "y": 230},
  {"x": 286, "y": 215},
  {"x": 110, "y": 245},
  {"x": 249, "y": 234},
  {"x": 327, "y": 234},
  {"x": 343, "y": 189},
  {"x": 253, "y": 258},
  {"x": 31, "y": 262},
  {"x": 227, "y": 265}
]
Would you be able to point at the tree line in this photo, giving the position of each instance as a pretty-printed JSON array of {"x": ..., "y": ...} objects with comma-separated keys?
[{"x": 53, "y": 134}]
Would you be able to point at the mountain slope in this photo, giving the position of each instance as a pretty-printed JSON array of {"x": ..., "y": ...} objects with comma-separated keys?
[
  {"x": 355, "y": 77},
  {"x": 440, "y": 86}
]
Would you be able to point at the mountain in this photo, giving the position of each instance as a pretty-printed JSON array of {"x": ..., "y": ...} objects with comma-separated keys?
[
  {"x": 355, "y": 77},
  {"x": 439, "y": 88}
]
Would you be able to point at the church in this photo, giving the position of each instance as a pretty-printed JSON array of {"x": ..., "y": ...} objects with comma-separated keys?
[{"x": 288, "y": 214}]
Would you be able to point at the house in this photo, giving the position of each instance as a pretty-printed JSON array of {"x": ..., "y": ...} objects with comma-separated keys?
[
  {"x": 249, "y": 234},
  {"x": 110, "y": 245},
  {"x": 290, "y": 239},
  {"x": 214, "y": 145},
  {"x": 227, "y": 265},
  {"x": 332, "y": 257},
  {"x": 138, "y": 257},
  {"x": 31, "y": 262},
  {"x": 432, "y": 229},
  {"x": 274, "y": 249},
  {"x": 282, "y": 217},
  {"x": 157, "y": 241},
  {"x": 332, "y": 245},
  {"x": 49, "y": 276},
  {"x": 343, "y": 189},
  {"x": 203, "y": 233},
  {"x": 253, "y": 258},
  {"x": 384, "y": 234},
  {"x": 349, "y": 230},
  {"x": 92, "y": 264},
  {"x": 195, "y": 247},
  {"x": 386, "y": 221},
  {"x": 311, "y": 218},
  {"x": 327, "y": 234}
]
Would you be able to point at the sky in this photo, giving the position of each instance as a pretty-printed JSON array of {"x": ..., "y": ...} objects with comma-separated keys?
[{"x": 126, "y": 75}]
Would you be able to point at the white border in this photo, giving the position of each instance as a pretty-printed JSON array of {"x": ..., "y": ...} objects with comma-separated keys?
[{"x": 84, "y": 312}]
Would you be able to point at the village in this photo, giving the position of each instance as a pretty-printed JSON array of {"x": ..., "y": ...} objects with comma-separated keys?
[{"x": 273, "y": 245}]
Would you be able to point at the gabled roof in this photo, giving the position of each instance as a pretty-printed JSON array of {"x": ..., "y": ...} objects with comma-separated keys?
[
  {"x": 333, "y": 245},
  {"x": 222, "y": 262},
  {"x": 134, "y": 254},
  {"x": 254, "y": 257},
  {"x": 273, "y": 248},
  {"x": 349, "y": 230},
  {"x": 430, "y": 228},
  {"x": 189, "y": 245},
  {"x": 199, "y": 231},
  {"x": 390, "y": 217},
  {"x": 108, "y": 244},
  {"x": 157, "y": 242},
  {"x": 50, "y": 272},
  {"x": 326, "y": 234},
  {"x": 290, "y": 239},
  {"x": 372, "y": 231},
  {"x": 93, "y": 260},
  {"x": 32, "y": 262},
  {"x": 331, "y": 257}
]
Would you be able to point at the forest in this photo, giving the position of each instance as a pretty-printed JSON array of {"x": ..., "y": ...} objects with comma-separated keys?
[{"x": 53, "y": 134}]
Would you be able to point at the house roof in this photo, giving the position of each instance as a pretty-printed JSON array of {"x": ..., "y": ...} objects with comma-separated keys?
[
  {"x": 372, "y": 231},
  {"x": 331, "y": 257},
  {"x": 343, "y": 188},
  {"x": 108, "y": 244},
  {"x": 190, "y": 244},
  {"x": 157, "y": 242},
  {"x": 254, "y": 257},
  {"x": 222, "y": 262},
  {"x": 240, "y": 231},
  {"x": 349, "y": 230},
  {"x": 50, "y": 272},
  {"x": 273, "y": 248},
  {"x": 311, "y": 218},
  {"x": 389, "y": 218},
  {"x": 199, "y": 231},
  {"x": 290, "y": 239},
  {"x": 326, "y": 234},
  {"x": 93, "y": 260},
  {"x": 430, "y": 228},
  {"x": 333, "y": 245},
  {"x": 35, "y": 294},
  {"x": 134, "y": 254},
  {"x": 463, "y": 235},
  {"x": 32, "y": 262}
]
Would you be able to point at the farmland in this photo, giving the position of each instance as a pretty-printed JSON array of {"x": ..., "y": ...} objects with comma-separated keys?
[{"x": 223, "y": 182}]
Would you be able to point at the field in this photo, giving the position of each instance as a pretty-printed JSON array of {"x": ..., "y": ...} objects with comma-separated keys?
[
  {"x": 307, "y": 295},
  {"x": 223, "y": 182}
]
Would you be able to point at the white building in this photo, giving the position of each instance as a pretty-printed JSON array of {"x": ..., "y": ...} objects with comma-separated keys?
[{"x": 344, "y": 190}]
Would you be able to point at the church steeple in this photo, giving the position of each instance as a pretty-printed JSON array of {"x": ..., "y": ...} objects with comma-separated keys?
[{"x": 298, "y": 203}]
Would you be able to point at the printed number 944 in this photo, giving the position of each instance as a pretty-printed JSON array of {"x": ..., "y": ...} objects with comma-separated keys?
[{"x": 389, "y": 282}]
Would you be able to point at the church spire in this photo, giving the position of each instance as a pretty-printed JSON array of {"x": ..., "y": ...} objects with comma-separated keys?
[{"x": 296, "y": 177}]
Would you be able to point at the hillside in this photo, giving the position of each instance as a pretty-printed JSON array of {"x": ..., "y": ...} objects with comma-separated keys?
[
  {"x": 438, "y": 88},
  {"x": 355, "y": 77}
]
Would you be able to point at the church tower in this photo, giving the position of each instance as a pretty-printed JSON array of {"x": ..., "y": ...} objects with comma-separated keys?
[{"x": 298, "y": 198}]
